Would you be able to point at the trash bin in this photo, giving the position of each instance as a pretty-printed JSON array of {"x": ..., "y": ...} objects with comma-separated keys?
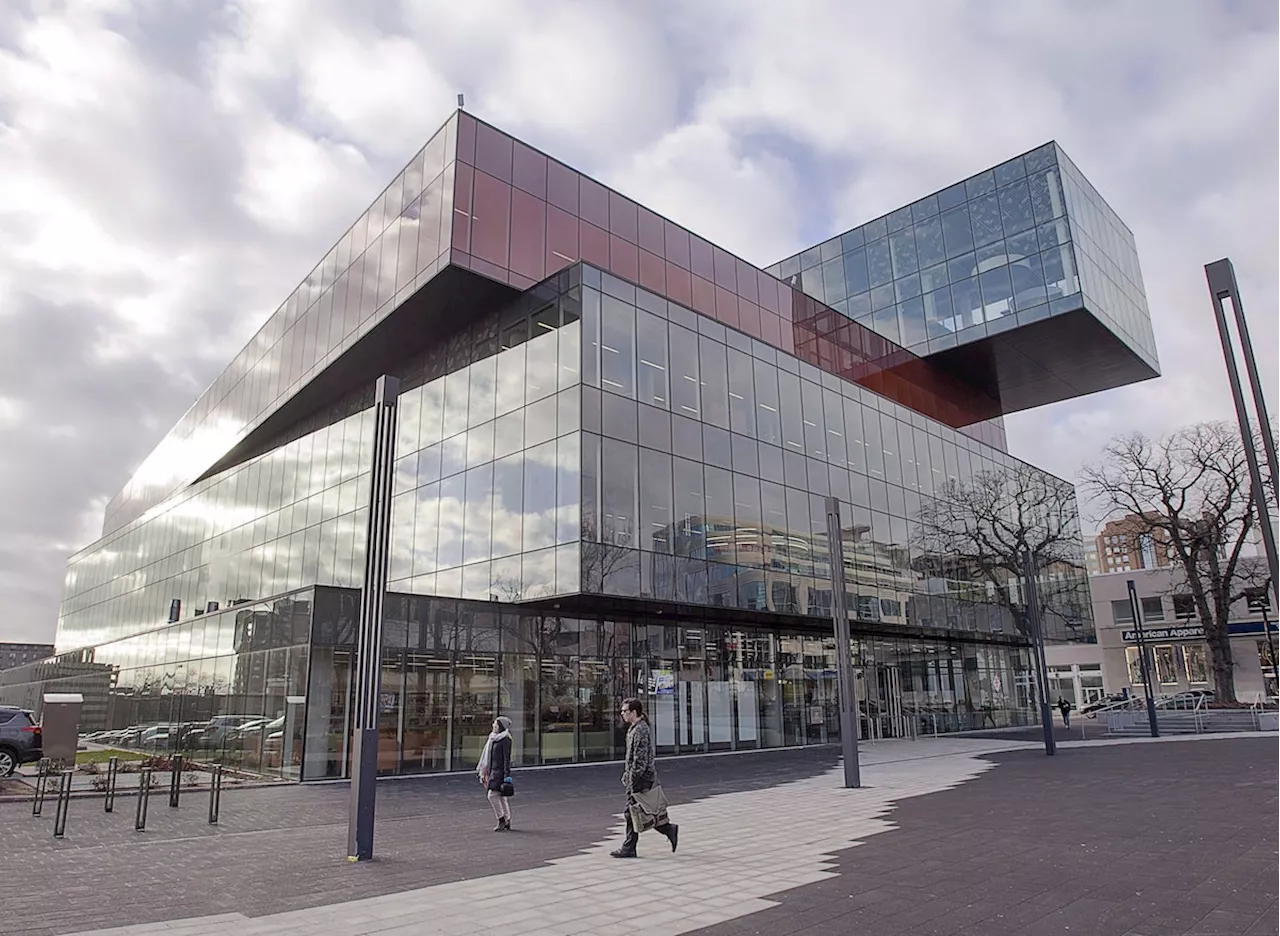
[{"x": 61, "y": 725}]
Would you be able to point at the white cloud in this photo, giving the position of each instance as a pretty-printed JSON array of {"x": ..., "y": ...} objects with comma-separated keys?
[{"x": 164, "y": 183}]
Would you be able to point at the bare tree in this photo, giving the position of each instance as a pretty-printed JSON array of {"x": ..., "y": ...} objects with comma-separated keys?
[
  {"x": 978, "y": 534},
  {"x": 1191, "y": 490}
]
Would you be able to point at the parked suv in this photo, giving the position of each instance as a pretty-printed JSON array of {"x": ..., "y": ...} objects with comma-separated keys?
[{"x": 20, "y": 739}]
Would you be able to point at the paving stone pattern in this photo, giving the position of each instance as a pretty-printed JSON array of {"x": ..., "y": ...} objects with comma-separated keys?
[
  {"x": 1136, "y": 839},
  {"x": 1127, "y": 838},
  {"x": 281, "y": 849},
  {"x": 719, "y": 874}
]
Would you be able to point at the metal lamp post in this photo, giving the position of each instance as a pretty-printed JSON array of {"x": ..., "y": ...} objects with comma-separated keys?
[
  {"x": 844, "y": 648},
  {"x": 364, "y": 723},
  {"x": 1041, "y": 664},
  {"x": 1223, "y": 286},
  {"x": 1143, "y": 663}
]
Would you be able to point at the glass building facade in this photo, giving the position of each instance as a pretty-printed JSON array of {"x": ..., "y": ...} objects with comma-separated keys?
[
  {"x": 1024, "y": 242},
  {"x": 604, "y": 486}
]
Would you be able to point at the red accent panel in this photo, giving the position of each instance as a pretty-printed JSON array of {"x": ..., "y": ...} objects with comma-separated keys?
[
  {"x": 727, "y": 306},
  {"x": 466, "y": 139},
  {"x": 700, "y": 258},
  {"x": 651, "y": 236},
  {"x": 493, "y": 152},
  {"x": 562, "y": 239},
  {"x": 679, "y": 284},
  {"x": 562, "y": 187},
  {"x": 529, "y": 171},
  {"x": 528, "y": 235},
  {"x": 593, "y": 244},
  {"x": 491, "y": 220},
  {"x": 623, "y": 219},
  {"x": 725, "y": 268},
  {"x": 624, "y": 258},
  {"x": 677, "y": 240},
  {"x": 704, "y": 296},
  {"x": 653, "y": 272},
  {"x": 593, "y": 202},
  {"x": 462, "y": 185}
]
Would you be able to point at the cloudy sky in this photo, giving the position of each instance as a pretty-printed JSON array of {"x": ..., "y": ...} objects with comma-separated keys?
[{"x": 170, "y": 169}]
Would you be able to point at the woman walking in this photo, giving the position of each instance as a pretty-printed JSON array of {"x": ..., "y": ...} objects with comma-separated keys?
[{"x": 495, "y": 770}]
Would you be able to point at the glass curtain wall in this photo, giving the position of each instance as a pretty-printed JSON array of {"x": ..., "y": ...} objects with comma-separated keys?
[
  {"x": 982, "y": 256},
  {"x": 706, "y": 459},
  {"x": 227, "y": 687},
  {"x": 561, "y": 681}
]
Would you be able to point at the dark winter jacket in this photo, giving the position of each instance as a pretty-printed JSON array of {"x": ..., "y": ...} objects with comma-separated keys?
[{"x": 499, "y": 763}]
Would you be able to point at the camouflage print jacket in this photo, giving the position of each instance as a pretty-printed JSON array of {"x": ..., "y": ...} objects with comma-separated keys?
[{"x": 639, "y": 771}]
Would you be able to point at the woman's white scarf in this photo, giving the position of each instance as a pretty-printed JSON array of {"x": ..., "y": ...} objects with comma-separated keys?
[{"x": 483, "y": 768}]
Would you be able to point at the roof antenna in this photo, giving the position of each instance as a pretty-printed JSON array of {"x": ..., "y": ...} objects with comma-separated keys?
[{"x": 461, "y": 103}]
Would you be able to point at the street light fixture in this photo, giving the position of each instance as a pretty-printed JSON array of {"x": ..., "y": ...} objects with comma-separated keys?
[
  {"x": 1144, "y": 664},
  {"x": 364, "y": 722}
]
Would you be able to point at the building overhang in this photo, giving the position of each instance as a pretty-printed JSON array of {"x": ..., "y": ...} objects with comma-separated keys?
[
  {"x": 447, "y": 301},
  {"x": 1061, "y": 357}
]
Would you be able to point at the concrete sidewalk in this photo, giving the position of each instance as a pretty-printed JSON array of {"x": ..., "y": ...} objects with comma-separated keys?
[{"x": 776, "y": 846}]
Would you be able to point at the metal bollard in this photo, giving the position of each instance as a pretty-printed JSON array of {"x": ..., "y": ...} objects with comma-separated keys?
[
  {"x": 37, "y": 806},
  {"x": 175, "y": 781},
  {"x": 64, "y": 802},
  {"x": 215, "y": 794},
  {"x": 144, "y": 794},
  {"x": 113, "y": 771}
]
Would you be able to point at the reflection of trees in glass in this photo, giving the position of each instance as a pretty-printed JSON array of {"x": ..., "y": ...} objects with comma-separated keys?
[
  {"x": 1191, "y": 490},
  {"x": 977, "y": 535}
]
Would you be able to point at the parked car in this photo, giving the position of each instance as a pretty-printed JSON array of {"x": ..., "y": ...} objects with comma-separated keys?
[
  {"x": 1115, "y": 700},
  {"x": 21, "y": 741}
]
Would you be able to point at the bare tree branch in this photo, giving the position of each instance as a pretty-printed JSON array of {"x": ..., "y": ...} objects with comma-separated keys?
[{"x": 1193, "y": 489}]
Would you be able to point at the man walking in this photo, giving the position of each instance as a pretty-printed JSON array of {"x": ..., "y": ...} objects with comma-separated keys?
[
  {"x": 646, "y": 803},
  {"x": 1065, "y": 708}
]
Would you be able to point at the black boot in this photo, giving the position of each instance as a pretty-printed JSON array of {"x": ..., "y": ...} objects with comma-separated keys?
[
  {"x": 672, "y": 832},
  {"x": 501, "y": 826},
  {"x": 628, "y": 849},
  {"x": 506, "y": 824}
]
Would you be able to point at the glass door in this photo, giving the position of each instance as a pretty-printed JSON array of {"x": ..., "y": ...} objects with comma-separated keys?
[
  {"x": 390, "y": 711},
  {"x": 691, "y": 689},
  {"x": 426, "y": 713}
]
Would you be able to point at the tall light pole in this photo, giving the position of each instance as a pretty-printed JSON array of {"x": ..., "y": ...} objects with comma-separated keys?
[
  {"x": 364, "y": 722},
  {"x": 1221, "y": 276},
  {"x": 844, "y": 648},
  {"x": 1035, "y": 624},
  {"x": 1143, "y": 664}
]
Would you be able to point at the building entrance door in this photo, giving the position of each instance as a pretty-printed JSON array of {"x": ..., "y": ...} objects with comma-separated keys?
[{"x": 880, "y": 710}]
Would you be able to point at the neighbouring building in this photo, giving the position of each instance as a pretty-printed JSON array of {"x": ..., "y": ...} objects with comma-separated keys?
[
  {"x": 19, "y": 654},
  {"x": 1173, "y": 631},
  {"x": 1128, "y": 543},
  {"x": 1091, "y": 561},
  {"x": 614, "y": 442}
]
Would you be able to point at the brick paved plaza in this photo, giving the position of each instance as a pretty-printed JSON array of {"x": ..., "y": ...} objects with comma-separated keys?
[{"x": 954, "y": 836}]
